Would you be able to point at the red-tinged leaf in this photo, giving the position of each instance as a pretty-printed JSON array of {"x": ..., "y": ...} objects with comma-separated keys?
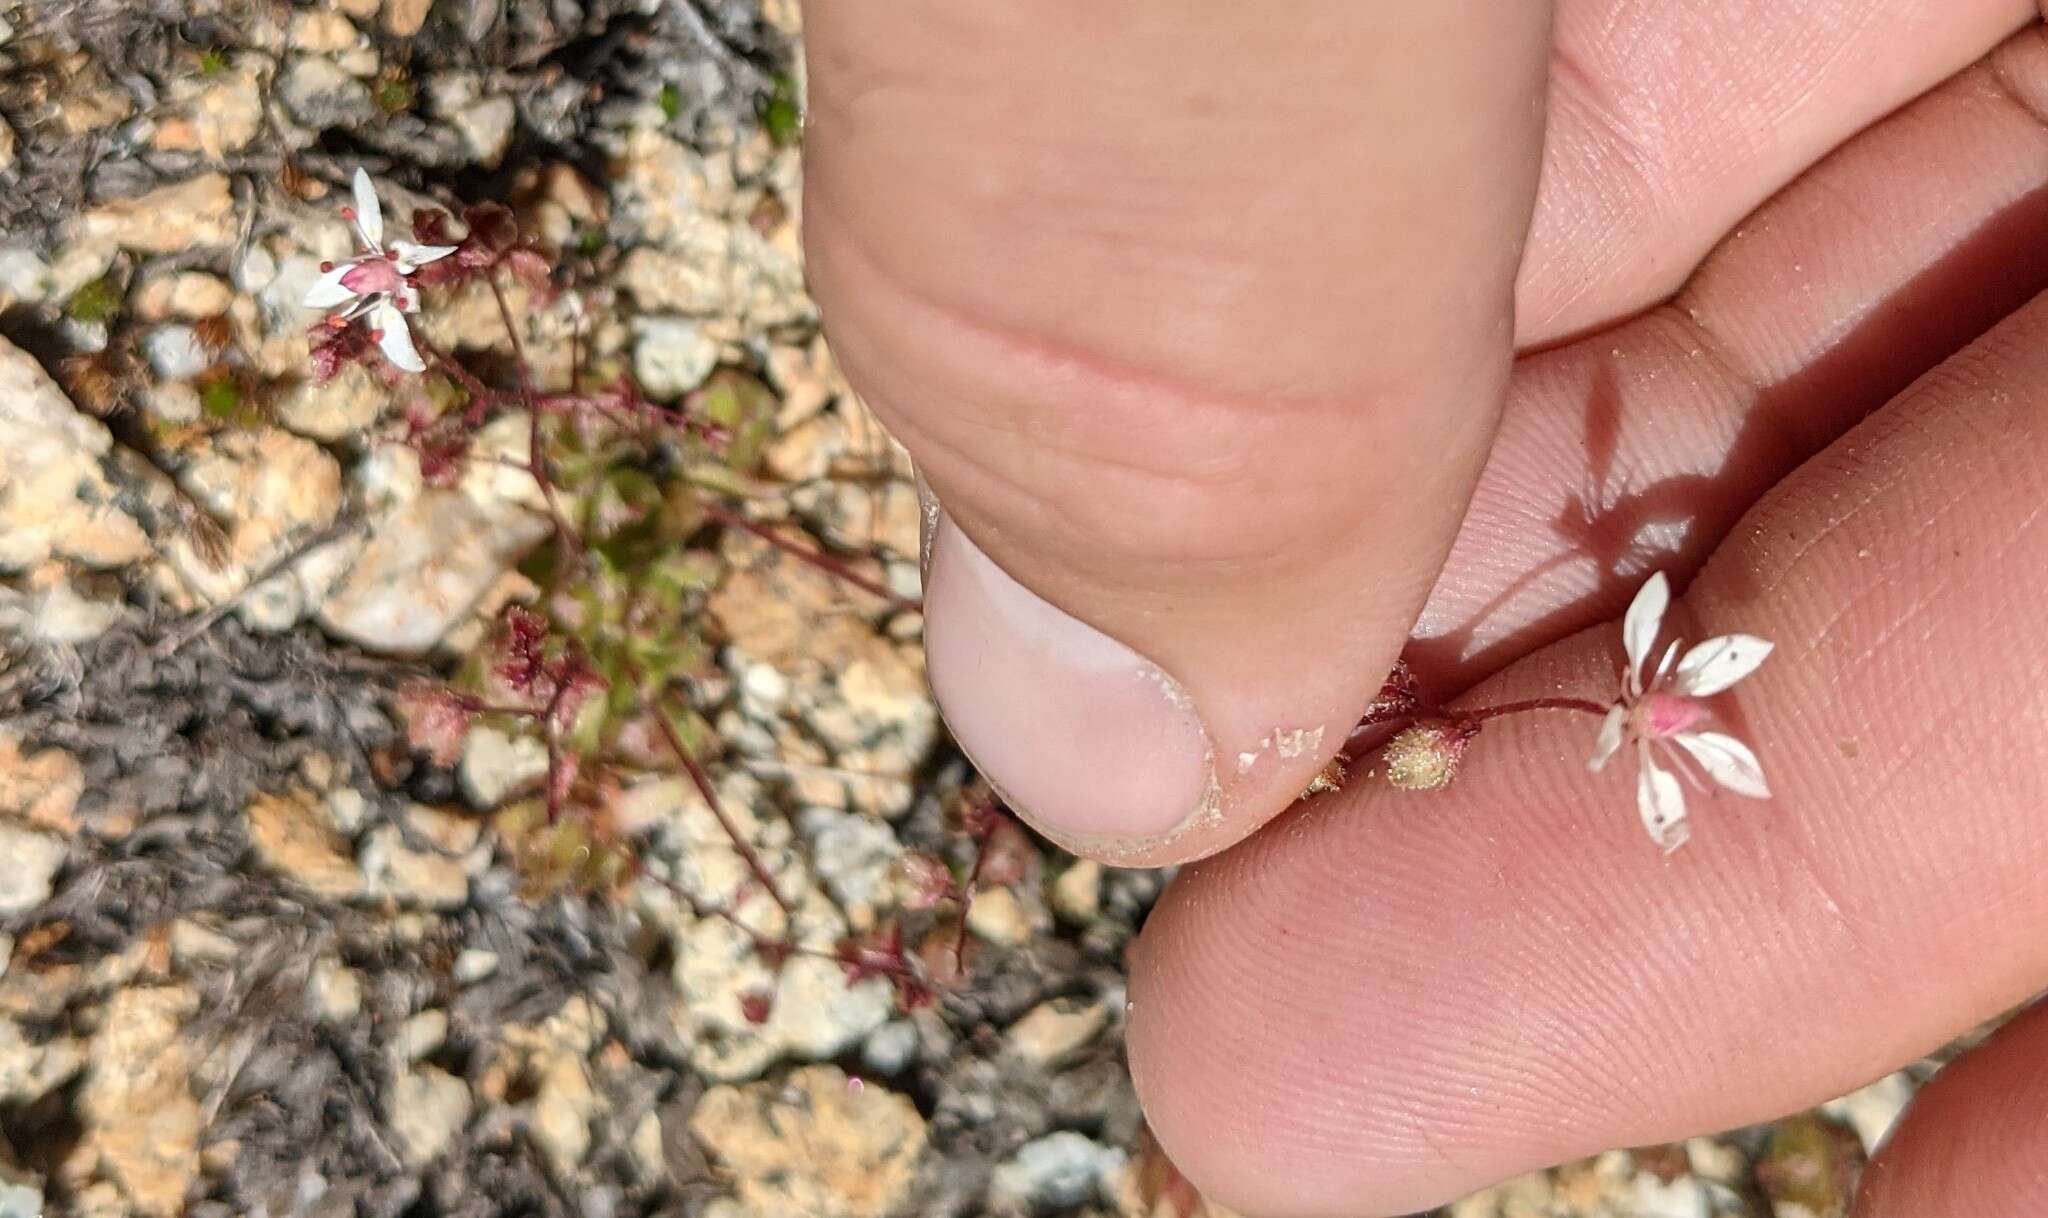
[{"x": 436, "y": 721}]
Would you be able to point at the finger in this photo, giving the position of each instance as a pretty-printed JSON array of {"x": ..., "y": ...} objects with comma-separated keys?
[
  {"x": 1386, "y": 1000},
  {"x": 1887, "y": 258},
  {"x": 1106, "y": 273},
  {"x": 1974, "y": 1142},
  {"x": 1671, "y": 119}
]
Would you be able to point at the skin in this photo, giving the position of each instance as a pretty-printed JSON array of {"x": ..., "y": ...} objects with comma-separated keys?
[{"x": 1754, "y": 308}]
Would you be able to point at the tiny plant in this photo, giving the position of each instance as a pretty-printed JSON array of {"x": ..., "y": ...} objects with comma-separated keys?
[
  {"x": 600, "y": 667},
  {"x": 1660, "y": 713}
]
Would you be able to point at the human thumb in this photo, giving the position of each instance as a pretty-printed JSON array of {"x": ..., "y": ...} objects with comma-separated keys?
[{"x": 1196, "y": 317}]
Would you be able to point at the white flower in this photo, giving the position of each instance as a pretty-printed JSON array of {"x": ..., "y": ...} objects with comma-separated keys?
[
  {"x": 376, "y": 283},
  {"x": 1660, "y": 711}
]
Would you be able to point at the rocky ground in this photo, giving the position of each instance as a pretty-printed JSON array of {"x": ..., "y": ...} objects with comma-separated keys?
[{"x": 260, "y": 953}]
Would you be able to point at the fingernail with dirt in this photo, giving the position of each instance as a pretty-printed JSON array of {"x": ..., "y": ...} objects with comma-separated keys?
[{"x": 1085, "y": 738}]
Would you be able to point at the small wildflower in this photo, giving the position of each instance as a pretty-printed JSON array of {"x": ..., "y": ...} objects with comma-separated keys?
[
  {"x": 1425, "y": 757},
  {"x": 377, "y": 283},
  {"x": 1660, "y": 711}
]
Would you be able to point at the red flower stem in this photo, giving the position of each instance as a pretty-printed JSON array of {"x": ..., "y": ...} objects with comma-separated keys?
[
  {"x": 702, "y": 781},
  {"x": 817, "y": 558},
  {"x": 1581, "y": 705},
  {"x": 536, "y": 458},
  {"x": 967, "y": 891}
]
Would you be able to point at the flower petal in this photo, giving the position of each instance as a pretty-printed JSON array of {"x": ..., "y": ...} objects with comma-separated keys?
[
  {"x": 1719, "y": 662},
  {"x": 1645, "y": 618},
  {"x": 394, "y": 339},
  {"x": 412, "y": 257},
  {"x": 329, "y": 290},
  {"x": 369, "y": 213},
  {"x": 1610, "y": 736},
  {"x": 1662, "y": 803},
  {"x": 1727, "y": 761}
]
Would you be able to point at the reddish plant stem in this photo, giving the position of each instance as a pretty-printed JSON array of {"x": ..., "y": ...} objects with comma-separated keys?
[
  {"x": 967, "y": 891},
  {"x": 536, "y": 457},
  {"x": 817, "y": 558},
  {"x": 1581, "y": 705},
  {"x": 702, "y": 781}
]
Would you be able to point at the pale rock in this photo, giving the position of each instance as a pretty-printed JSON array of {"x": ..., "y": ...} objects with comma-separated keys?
[
  {"x": 1056, "y": 1172},
  {"x": 291, "y": 837},
  {"x": 484, "y": 121},
  {"x": 415, "y": 879},
  {"x": 666, "y": 190},
  {"x": 763, "y": 692},
  {"x": 30, "y": 1070},
  {"x": 334, "y": 991},
  {"x": 891, "y": 1048},
  {"x": 1057, "y": 1029},
  {"x": 190, "y": 295},
  {"x": 1872, "y": 1110},
  {"x": 495, "y": 764},
  {"x": 854, "y": 856},
  {"x": 28, "y": 868},
  {"x": 194, "y": 943},
  {"x": 79, "y": 263},
  {"x": 816, "y": 1144},
  {"x": 54, "y": 497},
  {"x": 346, "y": 810},
  {"x": 199, "y": 211},
  {"x": 321, "y": 31},
  {"x": 341, "y": 408},
  {"x": 142, "y": 1125},
  {"x": 425, "y": 567},
  {"x": 421, "y": 1036},
  {"x": 175, "y": 352},
  {"x": 274, "y": 490},
  {"x": 358, "y": 10},
  {"x": 426, "y": 1109},
  {"x": 999, "y": 917},
  {"x": 1650, "y": 1197},
  {"x": 7, "y": 145},
  {"x": 723, "y": 271},
  {"x": 226, "y": 109},
  {"x": 807, "y": 379},
  {"x": 473, "y": 964},
  {"x": 818, "y": 1013},
  {"x": 650, "y": 1159},
  {"x": 564, "y": 1104},
  {"x": 51, "y": 611},
  {"x": 403, "y": 18},
  {"x": 320, "y": 93},
  {"x": 21, "y": 1194},
  {"x": 25, "y": 279},
  {"x": 671, "y": 356},
  {"x": 1077, "y": 893}
]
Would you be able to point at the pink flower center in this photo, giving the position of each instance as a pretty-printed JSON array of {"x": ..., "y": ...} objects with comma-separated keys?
[
  {"x": 370, "y": 276},
  {"x": 1663, "y": 715}
]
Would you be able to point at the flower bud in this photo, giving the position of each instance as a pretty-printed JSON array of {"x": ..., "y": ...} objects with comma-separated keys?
[{"x": 1425, "y": 757}]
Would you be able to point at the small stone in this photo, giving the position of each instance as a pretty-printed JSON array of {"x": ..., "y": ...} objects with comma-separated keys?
[
  {"x": 190, "y": 295},
  {"x": 414, "y": 879},
  {"x": 320, "y": 94},
  {"x": 1056, "y": 1172},
  {"x": 321, "y": 31},
  {"x": 228, "y": 113},
  {"x": 142, "y": 1124},
  {"x": 1057, "y": 1029},
  {"x": 473, "y": 965},
  {"x": 291, "y": 837},
  {"x": 21, "y": 1194},
  {"x": 671, "y": 355},
  {"x": 1872, "y": 1110},
  {"x": 891, "y": 1048},
  {"x": 819, "y": 1014},
  {"x": 55, "y": 498},
  {"x": 855, "y": 857},
  {"x": 426, "y": 1109},
  {"x": 24, "y": 278},
  {"x": 30, "y": 1070},
  {"x": 497, "y": 764},
  {"x": 1077, "y": 893},
  {"x": 483, "y": 121},
  {"x": 817, "y": 1145},
  {"x": 199, "y": 211},
  {"x": 193, "y": 943},
  {"x": 421, "y": 1036},
  {"x": 998, "y": 916},
  {"x": 175, "y": 352},
  {"x": 335, "y": 990},
  {"x": 403, "y": 18},
  {"x": 42, "y": 789},
  {"x": 28, "y": 868},
  {"x": 339, "y": 408},
  {"x": 425, "y": 566},
  {"x": 563, "y": 1107}
]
